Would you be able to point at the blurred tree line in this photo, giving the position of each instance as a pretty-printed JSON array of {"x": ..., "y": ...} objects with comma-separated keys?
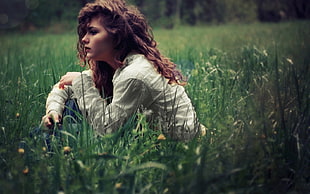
[
  {"x": 166, "y": 13},
  {"x": 171, "y": 12}
]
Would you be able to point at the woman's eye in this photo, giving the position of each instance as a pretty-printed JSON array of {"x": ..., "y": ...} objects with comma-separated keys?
[{"x": 93, "y": 32}]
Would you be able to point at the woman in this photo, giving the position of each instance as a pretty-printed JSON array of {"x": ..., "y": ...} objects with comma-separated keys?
[{"x": 126, "y": 73}]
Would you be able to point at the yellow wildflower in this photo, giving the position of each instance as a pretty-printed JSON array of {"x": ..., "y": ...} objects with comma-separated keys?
[
  {"x": 67, "y": 150},
  {"x": 21, "y": 150},
  {"x": 161, "y": 137},
  {"x": 118, "y": 185},
  {"x": 26, "y": 170}
]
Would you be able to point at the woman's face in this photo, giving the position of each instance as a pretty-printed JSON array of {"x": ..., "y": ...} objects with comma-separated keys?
[{"x": 97, "y": 42}]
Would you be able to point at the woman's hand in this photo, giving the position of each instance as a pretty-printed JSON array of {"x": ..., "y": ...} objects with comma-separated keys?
[
  {"x": 68, "y": 79},
  {"x": 50, "y": 119}
]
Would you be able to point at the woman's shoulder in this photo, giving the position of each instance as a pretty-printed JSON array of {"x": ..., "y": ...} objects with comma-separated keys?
[
  {"x": 132, "y": 58},
  {"x": 136, "y": 61},
  {"x": 88, "y": 72},
  {"x": 136, "y": 66}
]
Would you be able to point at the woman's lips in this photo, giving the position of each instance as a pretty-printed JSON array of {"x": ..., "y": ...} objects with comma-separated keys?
[{"x": 87, "y": 49}]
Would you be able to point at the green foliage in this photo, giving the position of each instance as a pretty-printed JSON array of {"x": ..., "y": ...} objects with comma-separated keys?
[
  {"x": 59, "y": 16},
  {"x": 249, "y": 85}
]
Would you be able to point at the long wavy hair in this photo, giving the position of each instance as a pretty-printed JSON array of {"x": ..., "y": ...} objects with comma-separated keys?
[{"x": 129, "y": 31}]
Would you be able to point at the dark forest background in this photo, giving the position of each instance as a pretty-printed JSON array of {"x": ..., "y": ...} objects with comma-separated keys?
[{"x": 34, "y": 14}]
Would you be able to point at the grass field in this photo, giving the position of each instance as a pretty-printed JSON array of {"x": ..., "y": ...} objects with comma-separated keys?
[{"x": 249, "y": 84}]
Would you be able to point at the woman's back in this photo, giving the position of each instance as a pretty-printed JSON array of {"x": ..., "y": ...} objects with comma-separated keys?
[{"x": 168, "y": 103}]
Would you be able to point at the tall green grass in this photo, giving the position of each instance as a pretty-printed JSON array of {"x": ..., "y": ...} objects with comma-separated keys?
[{"x": 250, "y": 87}]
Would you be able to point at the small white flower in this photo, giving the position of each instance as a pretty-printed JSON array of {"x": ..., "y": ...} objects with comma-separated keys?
[
  {"x": 197, "y": 151},
  {"x": 290, "y": 61}
]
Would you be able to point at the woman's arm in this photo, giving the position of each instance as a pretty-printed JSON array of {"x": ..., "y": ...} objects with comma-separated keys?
[
  {"x": 57, "y": 98},
  {"x": 128, "y": 96},
  {"x": 62, "y": 91},
  {"x": 55, "y": 103}
]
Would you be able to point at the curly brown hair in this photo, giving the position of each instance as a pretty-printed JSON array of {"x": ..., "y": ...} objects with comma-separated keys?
[{"x": 130, "y": 32}]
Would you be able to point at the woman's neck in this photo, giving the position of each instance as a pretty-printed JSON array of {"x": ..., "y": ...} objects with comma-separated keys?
[{"x": 112, "y": 61}]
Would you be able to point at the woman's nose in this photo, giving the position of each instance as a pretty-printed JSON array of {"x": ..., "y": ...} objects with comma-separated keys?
[{"x": 85, "y": 40}]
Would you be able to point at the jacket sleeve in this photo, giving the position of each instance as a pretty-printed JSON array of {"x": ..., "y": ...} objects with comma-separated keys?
[
  {"x": 57, "y": 98},
  {"x": 128, "y": 95}
]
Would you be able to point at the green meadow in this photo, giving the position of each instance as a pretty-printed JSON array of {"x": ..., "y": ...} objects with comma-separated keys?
[{"x": 249, "y": 84}]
